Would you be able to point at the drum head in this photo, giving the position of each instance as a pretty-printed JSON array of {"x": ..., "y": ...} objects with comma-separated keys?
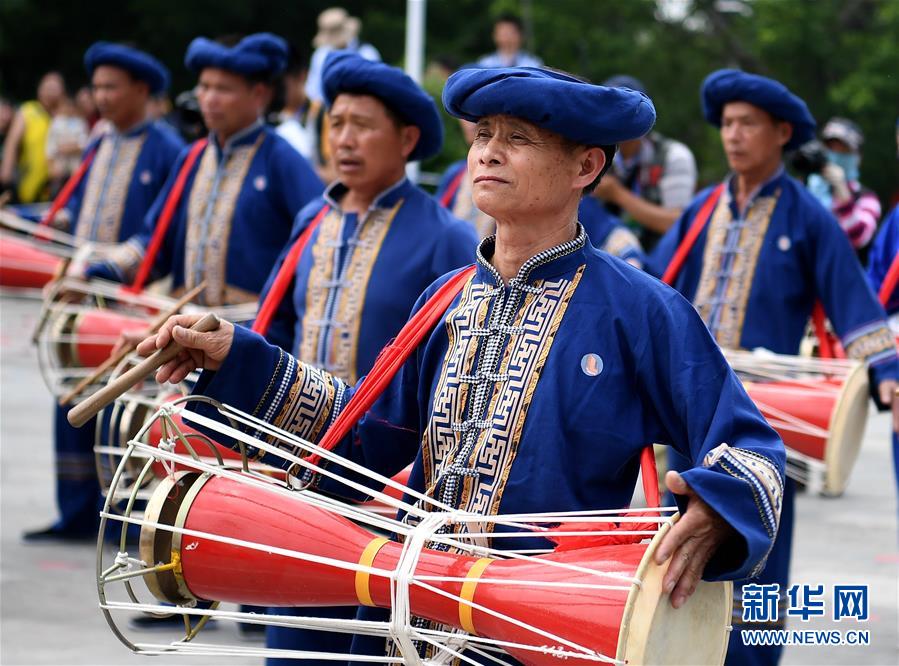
[
  {"x": 655, "y": 633},
  {"x": 847, "y": 430}
]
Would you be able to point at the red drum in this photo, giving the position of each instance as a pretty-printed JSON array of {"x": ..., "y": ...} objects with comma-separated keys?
[
  {"x": 611, "y": 604},
  {"x": 24, "y": 265},
  {"x": 819, "y": 407},
  {"x": 86, "y": 339}
]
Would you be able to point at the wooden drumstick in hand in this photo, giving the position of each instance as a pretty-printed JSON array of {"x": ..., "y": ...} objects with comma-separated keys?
[
  {"x": 118, "y": 356},
  {"x": 83, "y": 412}
]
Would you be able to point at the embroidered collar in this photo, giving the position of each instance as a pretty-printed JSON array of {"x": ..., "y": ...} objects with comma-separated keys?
[
  {"x": 762, "y": 190},
  {"x": 136, "y": 129},
  {"x": 245, "y": 136},
  {"x": 388, "y": 198},
  {"x": 549, "y": 263}
]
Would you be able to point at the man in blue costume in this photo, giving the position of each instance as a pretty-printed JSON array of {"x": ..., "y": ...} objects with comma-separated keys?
[
  {"x": 604, "y": 230},
  {"x": 128, "y": 167},
  {"x": 768, "y": 252},
  {"x": 380, "y": 241},
  {"x": 883, "y": 253},
  {"x": 553, "y": 368},
  {"x": 242, "y": 193}
]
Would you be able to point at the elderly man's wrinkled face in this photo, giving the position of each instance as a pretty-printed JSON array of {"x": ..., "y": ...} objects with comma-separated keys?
[
  {"x": 369, "y": 148},
  {"x": 519, "y": 169},
  {"x": 752, "y": 138}
]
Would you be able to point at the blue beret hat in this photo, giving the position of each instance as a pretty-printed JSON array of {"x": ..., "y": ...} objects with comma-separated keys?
[
  {"x": 259, "y": 54},
  {"x": 140, "y": 65},
  {"x": 732, "y": 85},
  {"x": 348, "y": 72},
  {"x": 582, "y": 112}
]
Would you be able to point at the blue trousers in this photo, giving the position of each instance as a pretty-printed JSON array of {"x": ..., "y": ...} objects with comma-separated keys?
[{"x": 78, "y": 495}]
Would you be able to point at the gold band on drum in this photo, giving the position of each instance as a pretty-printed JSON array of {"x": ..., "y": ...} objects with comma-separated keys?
[{"x": 363, "y": 578}]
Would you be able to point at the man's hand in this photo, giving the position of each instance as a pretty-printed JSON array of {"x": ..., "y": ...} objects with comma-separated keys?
[
  {"x": 201, "y": 350},
  {"x": 609, "y": 188},
  {"x": 690, "y": 543},
  {"x": 887, "y": 389}
]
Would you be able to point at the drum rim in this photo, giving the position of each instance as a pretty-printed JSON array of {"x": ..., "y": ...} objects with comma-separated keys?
[
  {"x": 854, "y": 395},
  {"x": 180, "y": 521},
  {"x": 632, "y": 644},
  {"x": 160, "y": 583}
]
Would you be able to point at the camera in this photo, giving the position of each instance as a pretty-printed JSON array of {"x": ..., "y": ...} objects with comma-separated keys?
[{"x": 809, "y": 158}]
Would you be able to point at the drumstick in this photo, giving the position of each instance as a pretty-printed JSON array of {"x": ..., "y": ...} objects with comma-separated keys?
[
  {"x": 12, "y": 221},
  {"x": 128, "y": 347},
  {"x": 82, "y": 413}
]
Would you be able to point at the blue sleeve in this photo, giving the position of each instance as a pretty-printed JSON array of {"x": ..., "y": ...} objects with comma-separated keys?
[
  {"x": 883, "y": 252},
  {"x": 859, "y": 321},
  {"x": 706, "y": 415}
]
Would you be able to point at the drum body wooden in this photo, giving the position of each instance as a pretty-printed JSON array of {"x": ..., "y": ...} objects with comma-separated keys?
[
  {"x": 80, "y": 324},
  {"x": 819, "y": 408},
  {"x": 485, "y": 596},
  {"x": 24, "y": 264}
]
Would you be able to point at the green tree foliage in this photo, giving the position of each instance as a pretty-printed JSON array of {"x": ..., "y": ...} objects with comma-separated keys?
[{"x": 839, "y": 55}]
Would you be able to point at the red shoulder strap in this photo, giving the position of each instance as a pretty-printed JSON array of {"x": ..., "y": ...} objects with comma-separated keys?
[
  {"x": 69, "y": 188},
  {"x": 165, "y": 218},
  {"x": 699, "y": 223},
  {"x": 285, "y": 275},
  {"x": 453, "y": 187},
  {"x": 890, "y": 281},
  {"x": 392, "y": 358}
]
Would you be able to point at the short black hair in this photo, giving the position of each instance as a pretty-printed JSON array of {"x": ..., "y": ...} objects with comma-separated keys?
[{"x": 508, "y": 17}]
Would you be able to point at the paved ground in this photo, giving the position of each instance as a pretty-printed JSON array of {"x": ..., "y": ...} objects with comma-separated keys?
[{"x": 48, "y": 600}]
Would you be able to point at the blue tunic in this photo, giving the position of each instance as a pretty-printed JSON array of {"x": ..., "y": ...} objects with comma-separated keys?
[
  {"x": 549, "y": 389},
  {"x": 125, "y": 176},
  {"x": 756, "y": 281},
  {"x": 605, "y": 230},
  {"x": 232, "y": 221},
  {"x": 357, "y": 279},
  {"x": 883, "y": 252},
  {"x": 127, "y": 172},
  {"x": 754, "y": 276},
  {"x": 881, "y": 256}
]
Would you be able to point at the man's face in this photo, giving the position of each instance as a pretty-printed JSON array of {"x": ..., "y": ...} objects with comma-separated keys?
[
  {"x": 752, "y": 138},
  {"x": 228, "y": 102},
  {"x": 118, "y": 96},
  {"x": 368, "y": 146},
  {"x": 519, "y": 169},
  {"x": 506, "y": 36},
  {"x": 51, "y": 90}
]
